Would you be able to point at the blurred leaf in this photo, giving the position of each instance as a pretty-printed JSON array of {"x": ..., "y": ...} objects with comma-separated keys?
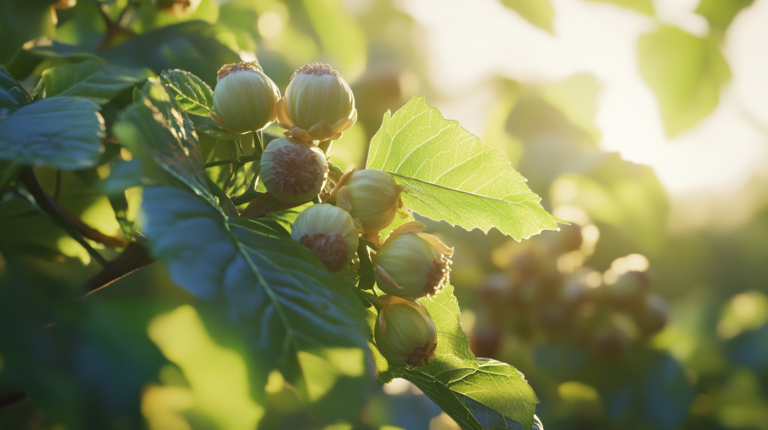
[
  {"x": 538, "y": 12},
  {"x": 297, "y": 315},
  {"x": 217, "y": 375},
  {"x": 61, "y": 133},
  {"x": 477, "y": 394},
  {"x": 450, "y": 175},
  {"x": 122, "y": 175},
  {"x": 619, "y": 193},
  {"x": 94, "y": 80},
  {"x": 720, "y": 13},
  {"x": 83, "y": 365},
  {"x": 685, "y": 72},
  {"x": 192, "y": 94},
  {"x": 151, "y": 14},
  {"x": 156, "y": 128},
  {"x": 12, "y": 94},
  {"x": 642, "y": 6},
  {"x": 9, "y": 170},
  {"x": 340, "y": 35},
  {"x": 648, "y": 387},
  {"x": 21, "y": 21},
  {"x": 576, "y": 97}
]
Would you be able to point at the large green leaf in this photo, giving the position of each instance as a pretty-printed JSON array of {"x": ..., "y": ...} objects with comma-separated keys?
[
  {"x": 296, "y": 314},
  {"x": 450, "y": 175},
  {"x": 642, "y": 6},
  {"x": 192, "y": 94},
  {"x": 156, "y": 128},
  {"x": 60, "y": 132},
  {"x": 538, "y": 12},
  {"x": 685, "y": 72},
  {"x": 720, "y": 13},
  {"x": 477, "y": 394},
  {"x": 95, "y": 80}
]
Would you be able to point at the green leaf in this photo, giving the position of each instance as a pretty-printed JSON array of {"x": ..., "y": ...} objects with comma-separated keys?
[
  {"x": 450, "y": 175},
  {"x": 685, "y": 72},
  {"x": 621, "y": 194},
  {"x": 60, "y": 132},
  {"x": 157, "y": 129},
  {"x": 94, "y": 80},
  {"x": 297, "y": 315},
  {"x": 720, "y": 13},
  {"x": 642, "y": 6},
  {"x": 576, "y": 97},
  {"x": 340, "y": 34},
  {"x": 538, "y": 12},
  {"x": 477, "y": 394},
  {"x": 12, "y": 94},
  {"x": 21, "y": 21},
  {"x": 192, "y": 94}
]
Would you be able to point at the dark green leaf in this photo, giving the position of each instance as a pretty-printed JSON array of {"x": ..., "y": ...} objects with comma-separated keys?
[
  {"x": 538, "y": 12},
  {"x": 12, "y": 95},
  {"x": 685, "y": 72},
  {"x": 95, "y": 80},
  {"x": 192, "y": 94},
  {"x": 478, "y": 394},
  {"x": 642, "y": 6},
  {"x": 157, "y": 129},
  {"x": 720, "y": 13},
  {"x": 297, "y": 315},
  {"x": 21, "y": 21},
  {"x": 450, "y": 175},
  {"x": 60, "y": 132}
]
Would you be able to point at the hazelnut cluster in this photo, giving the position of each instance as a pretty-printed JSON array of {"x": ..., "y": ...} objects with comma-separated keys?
[
  {"x": 545, "y": 294},
  {"x": 317, "y": 108}
]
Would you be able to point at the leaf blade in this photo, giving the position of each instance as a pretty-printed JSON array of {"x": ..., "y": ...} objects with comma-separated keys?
[
  {"x": 191, "y": 93},
  {"x": 439, "y": 161}
]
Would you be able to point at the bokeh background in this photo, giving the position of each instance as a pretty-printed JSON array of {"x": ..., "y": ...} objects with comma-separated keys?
[{"x": 643, "y": 123}]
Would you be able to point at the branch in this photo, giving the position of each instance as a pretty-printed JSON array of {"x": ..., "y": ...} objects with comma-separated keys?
[
  {"x": 8, "y": 399},
  {"x": 133, "y": 258},
  {"x": 47, "y": 205},
  {"x": 56, "y": 211}
]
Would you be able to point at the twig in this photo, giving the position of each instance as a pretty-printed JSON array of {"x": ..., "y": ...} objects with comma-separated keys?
[
  {"x": 9, "y": 399},
  {"x": 135, "y": 256},
  {"x": 50, "y": 207}
]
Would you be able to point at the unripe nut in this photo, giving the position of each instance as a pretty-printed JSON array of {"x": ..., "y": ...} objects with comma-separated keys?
[
  {"x": 404, "y": 332},
  {"x": 293, "y": 171},
  {"x": 318, "y": 104},
  {"x": 330, "y": 232},
  {"x": 411, "y": 263},
  {"x": 372, "y": 196},
  {"x": 245, "y": 99}
]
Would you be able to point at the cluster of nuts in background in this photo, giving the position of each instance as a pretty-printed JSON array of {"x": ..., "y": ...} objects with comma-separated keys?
[
  {"x": 546, "y": 294},
  {"x": 318, "y": 106}
]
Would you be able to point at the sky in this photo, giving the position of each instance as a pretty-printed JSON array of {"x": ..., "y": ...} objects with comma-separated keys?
[{"x": 469, "y": 42}]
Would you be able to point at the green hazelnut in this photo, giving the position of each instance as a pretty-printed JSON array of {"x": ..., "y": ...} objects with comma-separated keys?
[
  {"x": 245, "y": 99},
  {"x": 328, "y": 231},
  {"x": 292, "y": 170},
  {"x": 404, "y": 332}
]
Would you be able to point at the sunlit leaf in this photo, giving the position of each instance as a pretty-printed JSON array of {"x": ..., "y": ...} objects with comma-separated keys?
[
  {"x": 450, "y": 175},
  {"x": 94, "y": 80},
  {"x": 192, "y": 94},
  {"x": 60, "y": 132},
  {"x": 538, "y": 12},
  {"x": 685, "y": 72},
  {"x": 642, "y": 6},
  {"x": 340, "y": 35},
  {"x": 576, "y": 97},
  {"x": 477, "y": 394},
  {"x": 720, "y": 13}
]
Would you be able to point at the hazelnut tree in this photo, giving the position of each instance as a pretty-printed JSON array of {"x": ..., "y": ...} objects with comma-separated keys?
[{"x": 311, "y": 270}]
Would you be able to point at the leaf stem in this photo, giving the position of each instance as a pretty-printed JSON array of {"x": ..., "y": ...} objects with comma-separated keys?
[
  {"x": 134, "y": 257},
  {"x": 238, "y": 160}
]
